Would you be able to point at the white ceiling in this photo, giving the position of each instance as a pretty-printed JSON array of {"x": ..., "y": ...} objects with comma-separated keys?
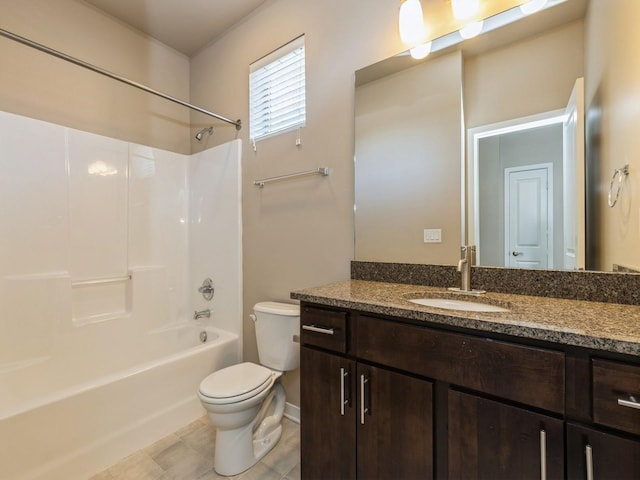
[{"x": 186, "y": 25}]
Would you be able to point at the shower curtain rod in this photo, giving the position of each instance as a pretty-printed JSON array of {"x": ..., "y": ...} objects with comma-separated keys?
[{"x": 68, "y": 58}]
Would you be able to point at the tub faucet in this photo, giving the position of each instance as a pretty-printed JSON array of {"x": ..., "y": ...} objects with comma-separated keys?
[{"x": 201, "y": 313}]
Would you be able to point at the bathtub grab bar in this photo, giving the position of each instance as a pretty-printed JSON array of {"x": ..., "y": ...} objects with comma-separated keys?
[{"x": 98, "y": 281}]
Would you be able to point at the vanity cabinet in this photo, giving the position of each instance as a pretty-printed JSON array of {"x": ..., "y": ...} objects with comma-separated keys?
[
  {"x": 391, "y": 398},
  {"x": 501, "y": 369},
  {"x": 596, "y": 455},
  {"x": 616, "y": 395},
  {"x": 359, "y": 420},
  {"x": 484, "y": 438},
  {"x": 492, "y": 440},
  {"x": 328, "y": 415},
  {"x": 394, "y": 425},
  {"x": 609, "y": 449}
]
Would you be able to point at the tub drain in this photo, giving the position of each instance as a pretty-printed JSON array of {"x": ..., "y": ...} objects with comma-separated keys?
[{"x": 203, "y": 336}]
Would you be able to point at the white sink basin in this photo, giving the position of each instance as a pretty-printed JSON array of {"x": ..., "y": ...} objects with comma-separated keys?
[{"x": 457, "y": 304}]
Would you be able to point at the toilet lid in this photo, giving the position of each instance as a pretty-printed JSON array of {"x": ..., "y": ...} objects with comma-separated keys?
[
  {"x": 278, "y": 308},
  {"x": 242, "y": 380}
]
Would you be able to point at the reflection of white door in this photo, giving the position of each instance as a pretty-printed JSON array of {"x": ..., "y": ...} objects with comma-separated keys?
[
  {"x": 528, "y": 220},
  {"x": 573, "y": 180}
]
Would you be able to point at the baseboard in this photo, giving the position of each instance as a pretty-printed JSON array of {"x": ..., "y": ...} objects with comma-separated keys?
[{"x": 292, "y": 412}]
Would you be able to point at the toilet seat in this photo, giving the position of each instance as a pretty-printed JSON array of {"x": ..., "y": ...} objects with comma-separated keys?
[{"x": 236, "y": 383}]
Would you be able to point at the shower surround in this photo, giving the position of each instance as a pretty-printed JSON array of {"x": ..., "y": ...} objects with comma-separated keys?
[{"x": 104, "y": 244}]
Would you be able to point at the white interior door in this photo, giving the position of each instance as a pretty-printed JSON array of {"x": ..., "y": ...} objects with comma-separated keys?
[
  {"x": 528, "y": 216},
  {"x": 574, "y": 181}
]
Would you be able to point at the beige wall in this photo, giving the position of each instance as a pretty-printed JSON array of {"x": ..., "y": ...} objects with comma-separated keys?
[
  {"x": 40, "y": 86},
  {"x": 297, "y": 233},
  {"x": 612, "y": 94},
  {"x": 408, "y": 156},
  {"x": 528, "y": 77}
]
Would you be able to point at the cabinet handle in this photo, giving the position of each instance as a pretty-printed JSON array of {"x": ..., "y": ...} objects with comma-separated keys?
[
  {"x": 343, "y": 400},
  {"x": 313, "y": 328},
  {"x": 543, "y": 454},
  {"x": 629, "y": 403},
  {"x": 588, "y": 451},
  {"x": 363, "y": 409}
]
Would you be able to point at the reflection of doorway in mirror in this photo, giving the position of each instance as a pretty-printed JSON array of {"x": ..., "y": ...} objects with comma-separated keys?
[
  {"x": 520, "y": 142},
  {"x": 516, "y": 144},
  {"x": 528, "y": 216}
]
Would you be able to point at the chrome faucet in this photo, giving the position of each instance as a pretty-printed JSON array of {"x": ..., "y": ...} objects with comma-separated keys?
[{"x": 201, "y": 313}]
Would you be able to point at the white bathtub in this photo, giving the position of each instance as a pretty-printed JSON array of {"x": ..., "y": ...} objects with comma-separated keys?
[{"x": 56, "y": 424}]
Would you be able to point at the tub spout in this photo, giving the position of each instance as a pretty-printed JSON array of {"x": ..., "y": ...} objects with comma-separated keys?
[{"x": 201, "y": 313}]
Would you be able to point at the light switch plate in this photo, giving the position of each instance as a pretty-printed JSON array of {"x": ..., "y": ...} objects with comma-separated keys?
[{"x": 433, "y": 235}]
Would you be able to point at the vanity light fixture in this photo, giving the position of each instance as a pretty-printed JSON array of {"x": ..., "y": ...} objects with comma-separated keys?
[
  {"x": 421, "y": 51},
  {"x": 532, "y": 6},
  {"x": 467, "y": 11},
  {"x": 413, "y": 31},
  {"x": 411, "y": 23},
  {"x": 471, "y": 29},
  {"x": 487, "y": 25}
]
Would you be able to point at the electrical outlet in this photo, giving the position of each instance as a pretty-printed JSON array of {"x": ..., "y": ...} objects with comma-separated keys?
[{"x": 433, "y": 235}]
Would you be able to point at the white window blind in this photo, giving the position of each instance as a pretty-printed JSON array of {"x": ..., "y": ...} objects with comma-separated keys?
[{"x": 277, "y": 100}]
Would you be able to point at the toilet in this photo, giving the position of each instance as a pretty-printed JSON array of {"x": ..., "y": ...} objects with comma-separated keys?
[{"x": 245, "y": 402}]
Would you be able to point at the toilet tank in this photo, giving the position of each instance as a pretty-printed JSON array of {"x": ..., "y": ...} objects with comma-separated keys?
[{"x": 276, "y": 324}]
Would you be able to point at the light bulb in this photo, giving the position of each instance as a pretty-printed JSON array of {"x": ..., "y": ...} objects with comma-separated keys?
[
  {"x": 532, "y": 6},
  {"x": 471, "y": 30},
  {"x": 465, "y": 9},
  {"x": 421, "y": 51},
  {"x": 411, "y": 23}
]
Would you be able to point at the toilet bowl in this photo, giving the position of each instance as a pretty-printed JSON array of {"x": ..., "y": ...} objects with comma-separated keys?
[{"x": 245, "y": 402}]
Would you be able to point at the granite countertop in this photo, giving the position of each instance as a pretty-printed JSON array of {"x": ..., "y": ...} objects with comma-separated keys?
[{"x": 609, "y": 327}]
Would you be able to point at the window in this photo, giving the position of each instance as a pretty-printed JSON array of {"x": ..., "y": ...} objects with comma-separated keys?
[{"x": 277, "y": 91}]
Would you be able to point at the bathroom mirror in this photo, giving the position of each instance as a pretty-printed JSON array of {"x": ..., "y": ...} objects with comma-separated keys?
[{"x": 419, "y": 126}]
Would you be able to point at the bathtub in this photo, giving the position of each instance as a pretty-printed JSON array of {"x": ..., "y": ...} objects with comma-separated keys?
[{"x": 58, "y": 422}]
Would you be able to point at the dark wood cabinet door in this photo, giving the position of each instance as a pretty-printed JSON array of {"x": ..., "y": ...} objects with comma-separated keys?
[
  {"x": 501, "y": 369},
  {"x": 327, "y": 425},
  {"x": 395, "y": 425},
  {"x": 491, "y": 440},
  {"x": 607, "y": 456}
]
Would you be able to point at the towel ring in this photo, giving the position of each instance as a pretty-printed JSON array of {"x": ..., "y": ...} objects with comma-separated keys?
[{"x": 620, "y": 174}]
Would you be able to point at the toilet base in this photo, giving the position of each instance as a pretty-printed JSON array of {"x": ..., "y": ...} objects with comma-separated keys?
[
  {"x": 239, "y": 449},
  {"x": 235, "y": 457},
  {"x": 263, "y": 446}
]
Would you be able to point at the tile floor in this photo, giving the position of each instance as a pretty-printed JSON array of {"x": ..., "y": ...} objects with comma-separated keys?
[{"x": 188, "y": 455}]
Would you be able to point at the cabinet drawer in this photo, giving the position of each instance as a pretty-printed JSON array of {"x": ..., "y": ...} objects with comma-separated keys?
[
  {"x": 616, "y": 395},
  {"x": 532, "y": 376},
  {"x": 324, "y": 328}
]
